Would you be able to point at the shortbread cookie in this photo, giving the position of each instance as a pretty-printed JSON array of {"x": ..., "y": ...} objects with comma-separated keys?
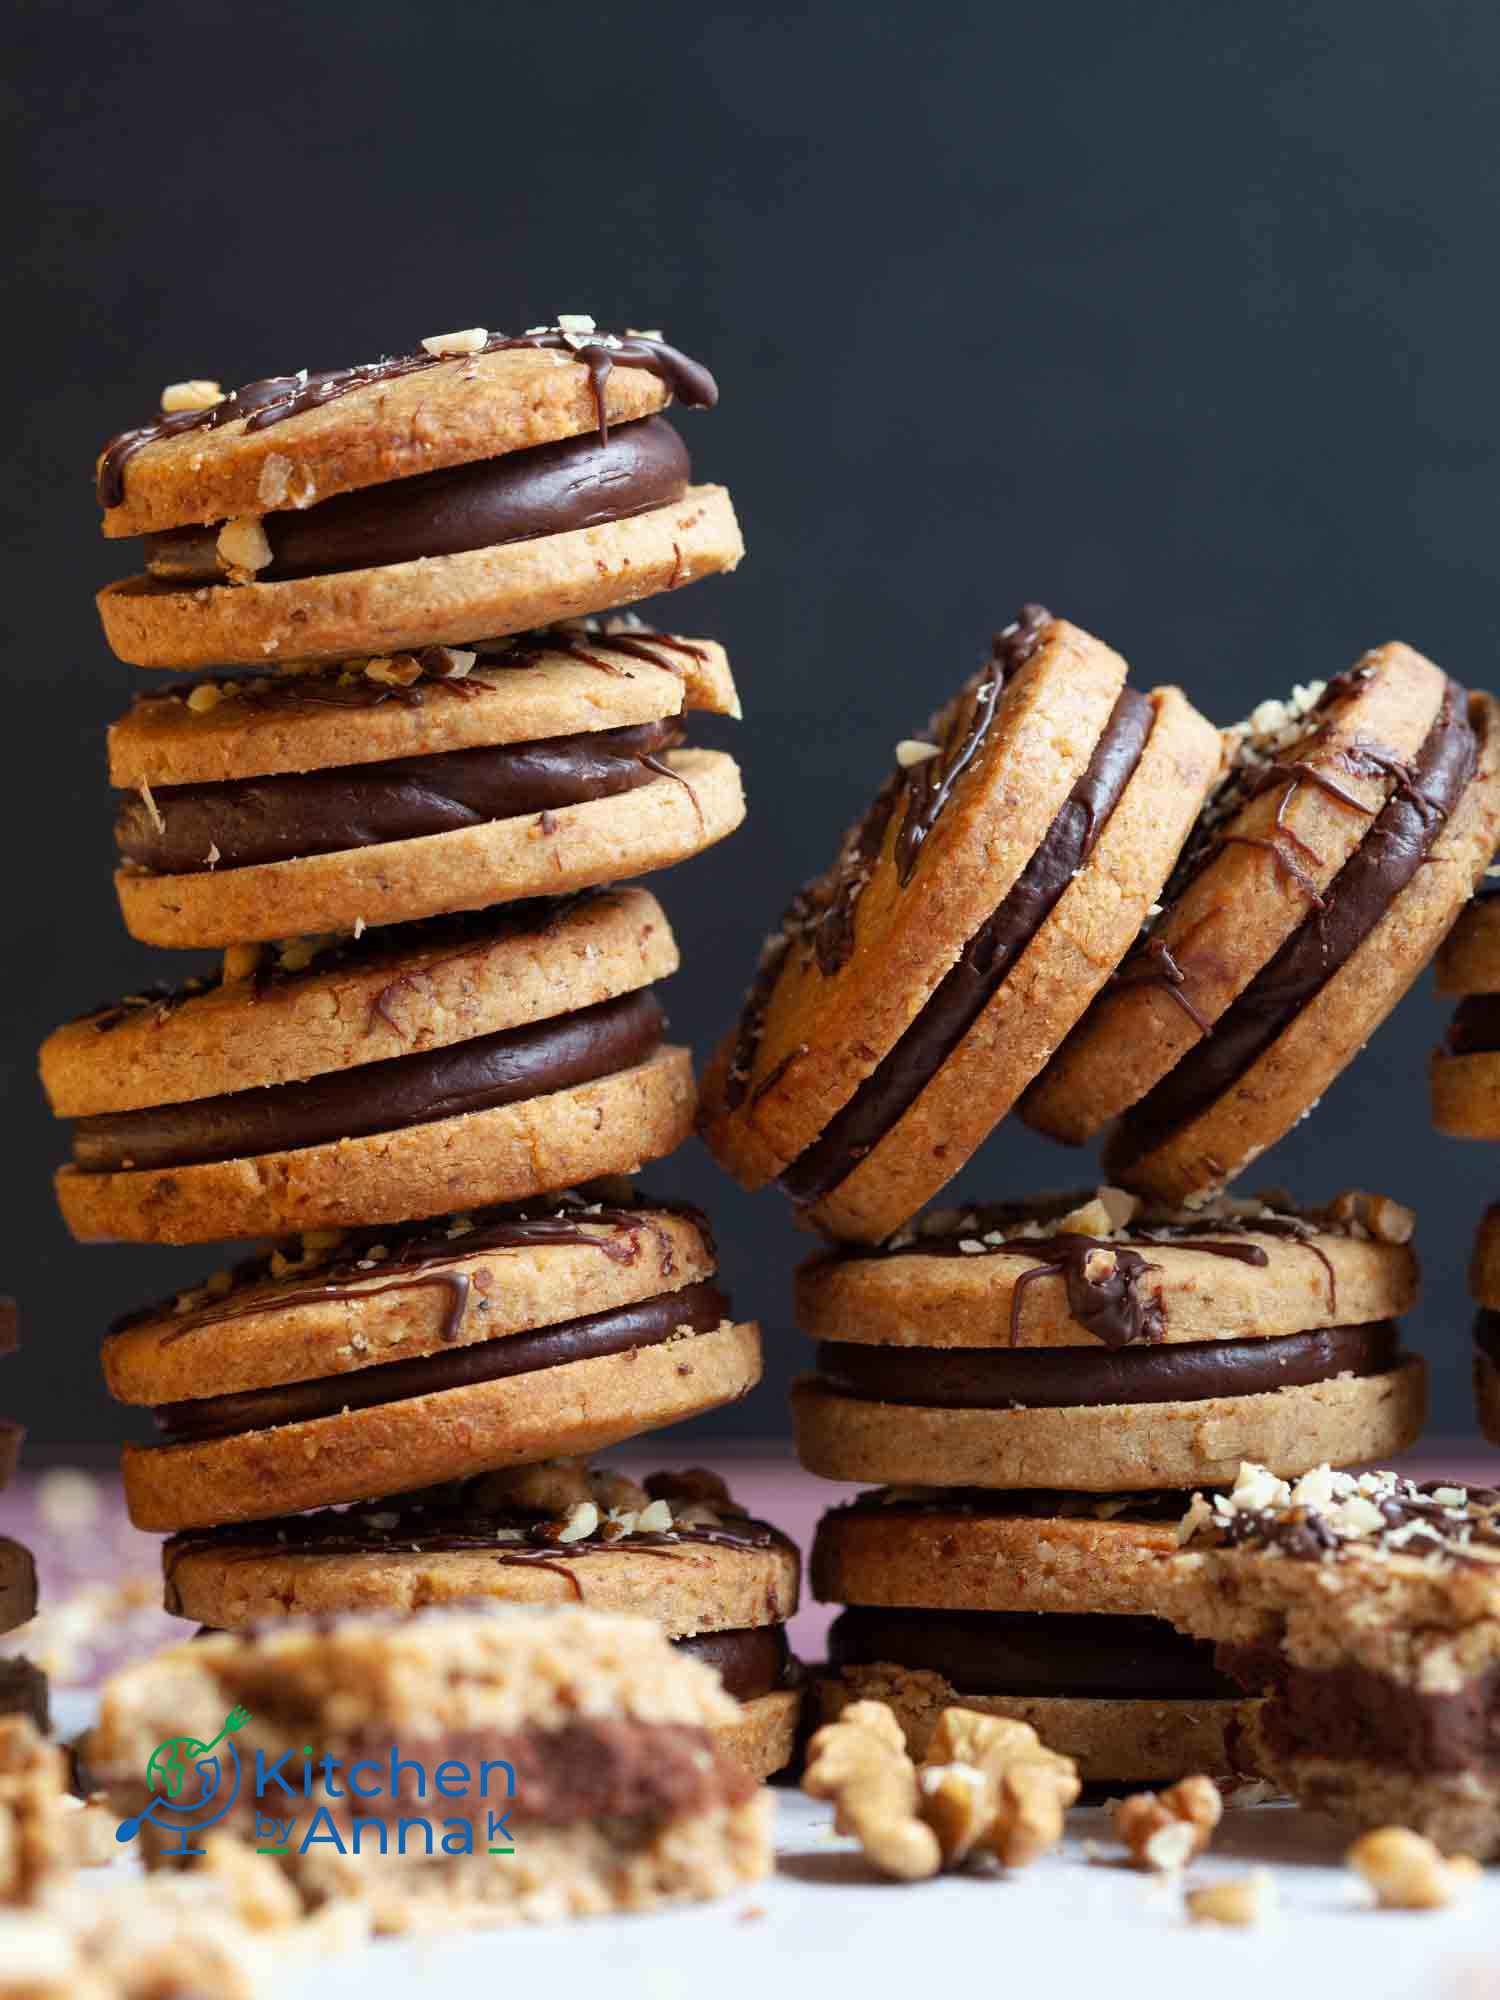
[
  {"x": 676, "y": 1550},
  {"x": 917, "y": 988},
  {"x": 1321, "y": 879},
  {"x": 1048, "y": 1608},
  {"x": 1088, "y": 1346},
  {"x": 1465, "y": 1071},
  {"x": 393, "y": 789},
  {"x": 17, "y": 1585},
  {"x": 618, "y": 1797},
  {"x": 433, "y": 498},
  {"x": 1485, "y": 1281},
  {"x": 388, "y": 1360},
  {"x": 472, "y": 1060},
  {"x": 1367, "y": 1611}
]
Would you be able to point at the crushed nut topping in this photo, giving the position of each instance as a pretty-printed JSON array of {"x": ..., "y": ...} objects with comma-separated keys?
[
  {"x": 1327, "y": 1516},
  {"x": 987, "y": 1787},
  {"x": 468, "y": 340}
]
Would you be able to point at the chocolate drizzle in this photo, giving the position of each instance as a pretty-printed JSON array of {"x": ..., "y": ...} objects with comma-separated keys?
[
  {"x": 277, "y": 397},
  {"x": 984, "y": 963}
]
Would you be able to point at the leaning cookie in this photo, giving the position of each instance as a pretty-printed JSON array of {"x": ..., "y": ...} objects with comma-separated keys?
[
  {"x": 915, "y": 990},
  {"x": 487, "y": 484},
  {"x": 1484, "y": 1279},
  {"x": 1366, "y": 1612},
  {"x": 388, "y": 1360},
  {"x": 390, "y": 789},
  {"x": 676, "y": 1550},
  {"x": 1048, "y": 1608},
  {"x": 1465, "y": 1072},
  {"x": 1095, "y": 1349},
  {"x": 475, "y": 1059},
  {"x": 1353, "y": 827},
  {"x": 17, "y": 1584}
]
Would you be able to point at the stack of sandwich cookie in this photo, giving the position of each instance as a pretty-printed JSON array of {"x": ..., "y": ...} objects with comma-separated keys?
[
  {"x": 23, "y": 1687},
  {"x": 1352, "y": 828},
  {"x": 1004, "y": 870},
  {"x": 387, "y": 789},
  {"x": 1465, "y": 1071},
  {"x": 1033, "y": 1380},
  {"x": 720, "y": 1584},
  {"x": 1367, "y": 1612},
  {"x": 1485, "y": 1279},
  {"x": 619, "y": 1796},
  {"x": 1049, "y": 1608}
]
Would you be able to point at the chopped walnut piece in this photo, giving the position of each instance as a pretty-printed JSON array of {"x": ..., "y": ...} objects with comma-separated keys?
[
  {"x": 1243, "y": 1899},
  {"x": 698, "y": 1483},
  {"x": 205, "y": 696},
  {"x": 613, "y": 1491},
  {"x": 1166, "y": 1830},
  {"x": 1374, "y": 1215},
  {"x": 581, "y": 1522},
  {"x": 195, "y": 394},
  {"x": 1407, "y": 1872},
  {"x": 242, "y": 545},
  {"x": 469, "y": 340},
  {"x": 399, "y": 670},
  {"x": 556, "y": 1486},
  {"x": 241, "y": 961},
  {"x": 988, "y": 1785},
  {"x": 860, "y": 1763},
  {"x": 911, "y": 750}
]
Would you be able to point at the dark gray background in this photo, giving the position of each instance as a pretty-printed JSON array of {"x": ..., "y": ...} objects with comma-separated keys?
[{"x": 1178, "y": 317}]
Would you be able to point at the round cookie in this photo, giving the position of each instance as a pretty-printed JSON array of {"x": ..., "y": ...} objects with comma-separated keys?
[
  {"x": 17, "y": 1585},
  {"x": 917, "y": 988},
  {"x": 1469, "y": 961},
  {"x": 471, "y": 1060},
  {"x": 720, "y": 1584},
  {"x": 1094, "y": 1346},
  {"x": 394, "y": 789},
  {"x": 1465, "y": 1072},
  {"x": 1327, "y": 868},
  {"x": 391, "y": 1360}
]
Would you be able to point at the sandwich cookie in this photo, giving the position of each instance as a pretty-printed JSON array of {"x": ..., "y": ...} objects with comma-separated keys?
[
  {"x": 1352, "y": 829},
  {"x": 676, "y": 1550},
  {"x": 345, "y": 1367},
  {"x": 485, "y": 484},
  {"x": 1465, "y": 1071},
  {"x": 385, "y": 790},
  {"x": 619, "y": 1795},
  {"x": 1048, "y": 1608},
  {"x": 471, "y": 1060},
  {"x": 1366, "y": 1613},
  {"x": 1485, "y": 1282},
  {"x": 1099, "y": 1348},
  {"x": 916, "y": 989}
]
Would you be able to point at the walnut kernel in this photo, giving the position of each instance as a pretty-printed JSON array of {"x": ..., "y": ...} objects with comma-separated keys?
[
  {"x": 1165, "y": 1830},
  {"x": 1407, "y": 1872}
]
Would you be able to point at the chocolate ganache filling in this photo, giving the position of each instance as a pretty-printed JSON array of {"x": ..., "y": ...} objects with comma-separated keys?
[
  {"x": 1475, "y": 1030},
  {"x": 967, "y": 989},
  {"x": 695, "y": 1309},
  {"x": 478, "y": 1075},
  {"x": 1055, "y": 1378},
  {"x": 188, "y": 829},
  {"x": 549, "y": 489},
  {"x": 1086, "y": 1655},
  {"x": 1353, "y": 1713},
  {"x": 751, "y": 1660},
  {"x": 1487, "y": 1335},
  {"x": 1384, "y": 863}
]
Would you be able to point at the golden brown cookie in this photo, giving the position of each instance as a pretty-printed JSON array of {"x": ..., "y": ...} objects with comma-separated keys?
[
  {"x": 1469, "y": 961},
  {"x": 1324, "y": 873},
  {"x": 1342, "y": 1418},
  {"x": 389, "y": 1360},
  {"x": 1075, "y": 1271},
  {"x": 917, "y": 988},
  {"x": 1464, "y": 1072},
  {"x": 17, "y": 1585},
  {"x": 449, "y": 600},
  {"x": 472, "y": 1060},
  {"x": 1367, "y": 1612},
  {"x": 1112, "y": 1741},
  {"x": 720, "y": 1584}
]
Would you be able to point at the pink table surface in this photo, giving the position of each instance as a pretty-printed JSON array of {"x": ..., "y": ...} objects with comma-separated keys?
[{"x": 73, "y": 1517}]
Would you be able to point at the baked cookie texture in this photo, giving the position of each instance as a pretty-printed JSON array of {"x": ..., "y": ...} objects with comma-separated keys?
[
  {"x": 676, "y": 1549},
  {"x": 1484, "y": 1277},
  {"x": 917, "y": 988},
  {"x": 1464, "y": 1072},
  {"x": 388, "y": 1361},
  {"x": 1091, "y": 1344},
  {"x": 1050, "y": 1609},
  {"x": 621, "y": 1799},
  {"x": 1366, "y": 1611},
  {"x": 478, "y": 1061},
  {"x": 1353, "y": 828}
]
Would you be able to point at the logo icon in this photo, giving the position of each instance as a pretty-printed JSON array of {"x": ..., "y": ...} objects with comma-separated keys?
[{"x": 183, "y": 1765}]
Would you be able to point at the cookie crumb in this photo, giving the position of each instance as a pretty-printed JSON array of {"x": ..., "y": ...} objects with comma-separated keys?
[{"x": 1243, "y": 1900}]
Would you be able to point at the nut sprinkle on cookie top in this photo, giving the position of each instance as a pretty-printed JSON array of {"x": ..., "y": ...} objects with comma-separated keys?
[{"x": 1328, "y": 1516}]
